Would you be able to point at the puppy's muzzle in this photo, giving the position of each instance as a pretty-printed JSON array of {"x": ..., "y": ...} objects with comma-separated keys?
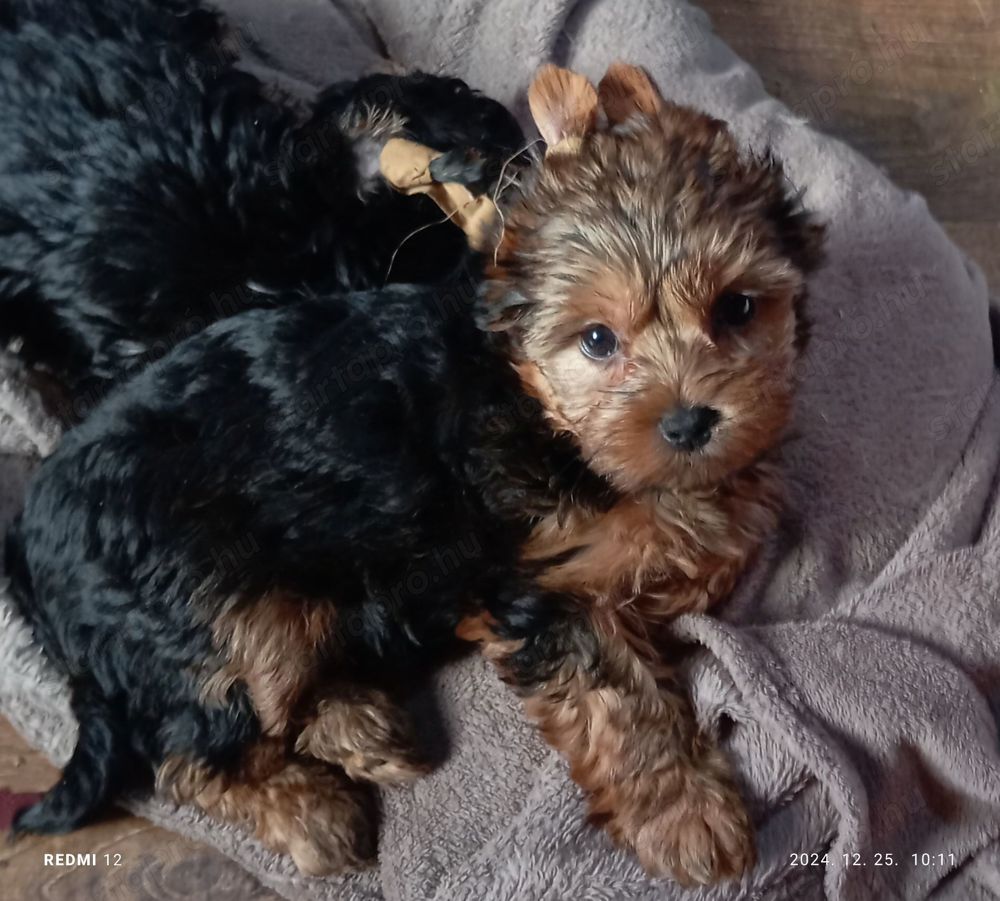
[{"x": 688, "y": 428}]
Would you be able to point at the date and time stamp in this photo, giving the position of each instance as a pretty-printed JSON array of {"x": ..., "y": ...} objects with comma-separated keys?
[{"x": 877, "y": 859}]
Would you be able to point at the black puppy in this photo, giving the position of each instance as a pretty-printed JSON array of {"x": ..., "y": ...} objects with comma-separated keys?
[
  {"x": 232, "y": 556},
  {"x": 148, "y": 188}
]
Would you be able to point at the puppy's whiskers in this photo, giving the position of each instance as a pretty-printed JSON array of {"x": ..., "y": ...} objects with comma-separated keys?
[
  {"x": 500, "y": 188},
  {"x": 414, "y": 233},
  {"x": 623, "y": 392}
]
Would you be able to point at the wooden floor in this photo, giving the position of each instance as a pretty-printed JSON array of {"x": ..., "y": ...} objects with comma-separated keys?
[
  {"x": 134, "y": 860},
  {"x": 914, "y": 84}
]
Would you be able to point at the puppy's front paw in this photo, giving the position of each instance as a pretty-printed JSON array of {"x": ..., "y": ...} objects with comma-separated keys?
[
  {"x": 366, "y": 734},
  {"x": 687, "y": 821},
  {"x": 704, "y": 837}
]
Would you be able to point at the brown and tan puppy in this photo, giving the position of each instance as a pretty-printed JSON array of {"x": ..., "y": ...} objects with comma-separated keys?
[{"x": 676, "y": 263}]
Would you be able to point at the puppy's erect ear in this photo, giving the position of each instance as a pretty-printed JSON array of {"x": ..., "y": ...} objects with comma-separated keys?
[
  {"x": 802, "y": 236},
  {"x": 625, "y": 90},
  {"x": 563, "y": 104}
]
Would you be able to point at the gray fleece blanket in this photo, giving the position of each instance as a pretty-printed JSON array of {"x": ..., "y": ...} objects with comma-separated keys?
[{"x": 857, "y": 668}]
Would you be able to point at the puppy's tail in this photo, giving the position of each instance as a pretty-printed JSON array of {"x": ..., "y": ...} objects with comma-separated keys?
[{"x": 92, "y": 776}]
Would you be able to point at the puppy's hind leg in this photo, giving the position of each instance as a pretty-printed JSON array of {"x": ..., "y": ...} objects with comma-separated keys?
[
  {"x": 301, "y": 807},
  {"x": 277, "y": 648},
  {"x": 363, "y": 730}
]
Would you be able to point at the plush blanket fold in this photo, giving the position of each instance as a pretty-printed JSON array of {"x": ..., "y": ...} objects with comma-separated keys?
[{"x": 856, "y": 671}]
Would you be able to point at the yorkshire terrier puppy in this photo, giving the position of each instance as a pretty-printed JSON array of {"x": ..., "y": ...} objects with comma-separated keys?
[
  {"x": 148, "y": 187},
  {"x": 592, "y": 422}
]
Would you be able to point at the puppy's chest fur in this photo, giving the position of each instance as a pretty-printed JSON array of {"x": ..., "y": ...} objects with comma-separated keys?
[{"x": 661, "y": 552}]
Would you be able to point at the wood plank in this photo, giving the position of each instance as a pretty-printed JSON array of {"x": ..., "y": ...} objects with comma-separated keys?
[{"x": 913, "y": 84}]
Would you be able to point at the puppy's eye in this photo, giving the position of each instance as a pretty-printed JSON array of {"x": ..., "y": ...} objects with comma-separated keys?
[
  {"x": 598, "y": 342},
  {"x": 734, "y": 310}
]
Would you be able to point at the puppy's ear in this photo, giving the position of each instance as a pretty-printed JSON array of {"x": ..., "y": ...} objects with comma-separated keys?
[
  {"x": 805, "y": 240},
  {"x": 563, "y": 104},
  {"x": 802, "y": 236},
  {"x": 626, "y": 90}
]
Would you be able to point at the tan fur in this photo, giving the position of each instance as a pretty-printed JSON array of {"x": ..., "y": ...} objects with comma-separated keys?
[
  {"x": 305, "y": 809},
  {"x": 479, "y": 629},
  {"x": 652, "y": 781},
  {"x": 626, "y": 90},
  {"x": 563, "y": 105},
  {"x": 660, "y": 554},
  {"x": 302, "y": 805},
  {"x": 363, "y": 731},
  {"x": 643, "y": 231},
  {"x": 274, "y": 646},
  {"x": 651, "y": 265}
]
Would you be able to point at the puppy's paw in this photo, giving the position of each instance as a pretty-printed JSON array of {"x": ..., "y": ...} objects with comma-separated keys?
[
  {"x": 706, "y": 837},
  {"x": 387, "y": 765},
  {"x": 688, "y": 822},
  {"x": 367, "y": 734},
  {"x": 321, "y": 819}
]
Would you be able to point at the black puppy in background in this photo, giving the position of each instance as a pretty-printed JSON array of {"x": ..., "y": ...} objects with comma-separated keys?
[{"x": 147, "y": 187}]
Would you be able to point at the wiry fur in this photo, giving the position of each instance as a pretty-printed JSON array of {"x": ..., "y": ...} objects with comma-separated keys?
[
  {"x": 148, "y": 187},
  {"x": 355, "y": 441}
]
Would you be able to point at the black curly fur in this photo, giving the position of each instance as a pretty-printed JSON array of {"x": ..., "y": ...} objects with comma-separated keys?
[
  {"x": 246, "y": 436},
  {"x": 148, "y": 188}
]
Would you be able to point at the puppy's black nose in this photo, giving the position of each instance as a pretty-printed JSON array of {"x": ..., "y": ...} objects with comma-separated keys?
[{"x": 689, "y": 428}]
